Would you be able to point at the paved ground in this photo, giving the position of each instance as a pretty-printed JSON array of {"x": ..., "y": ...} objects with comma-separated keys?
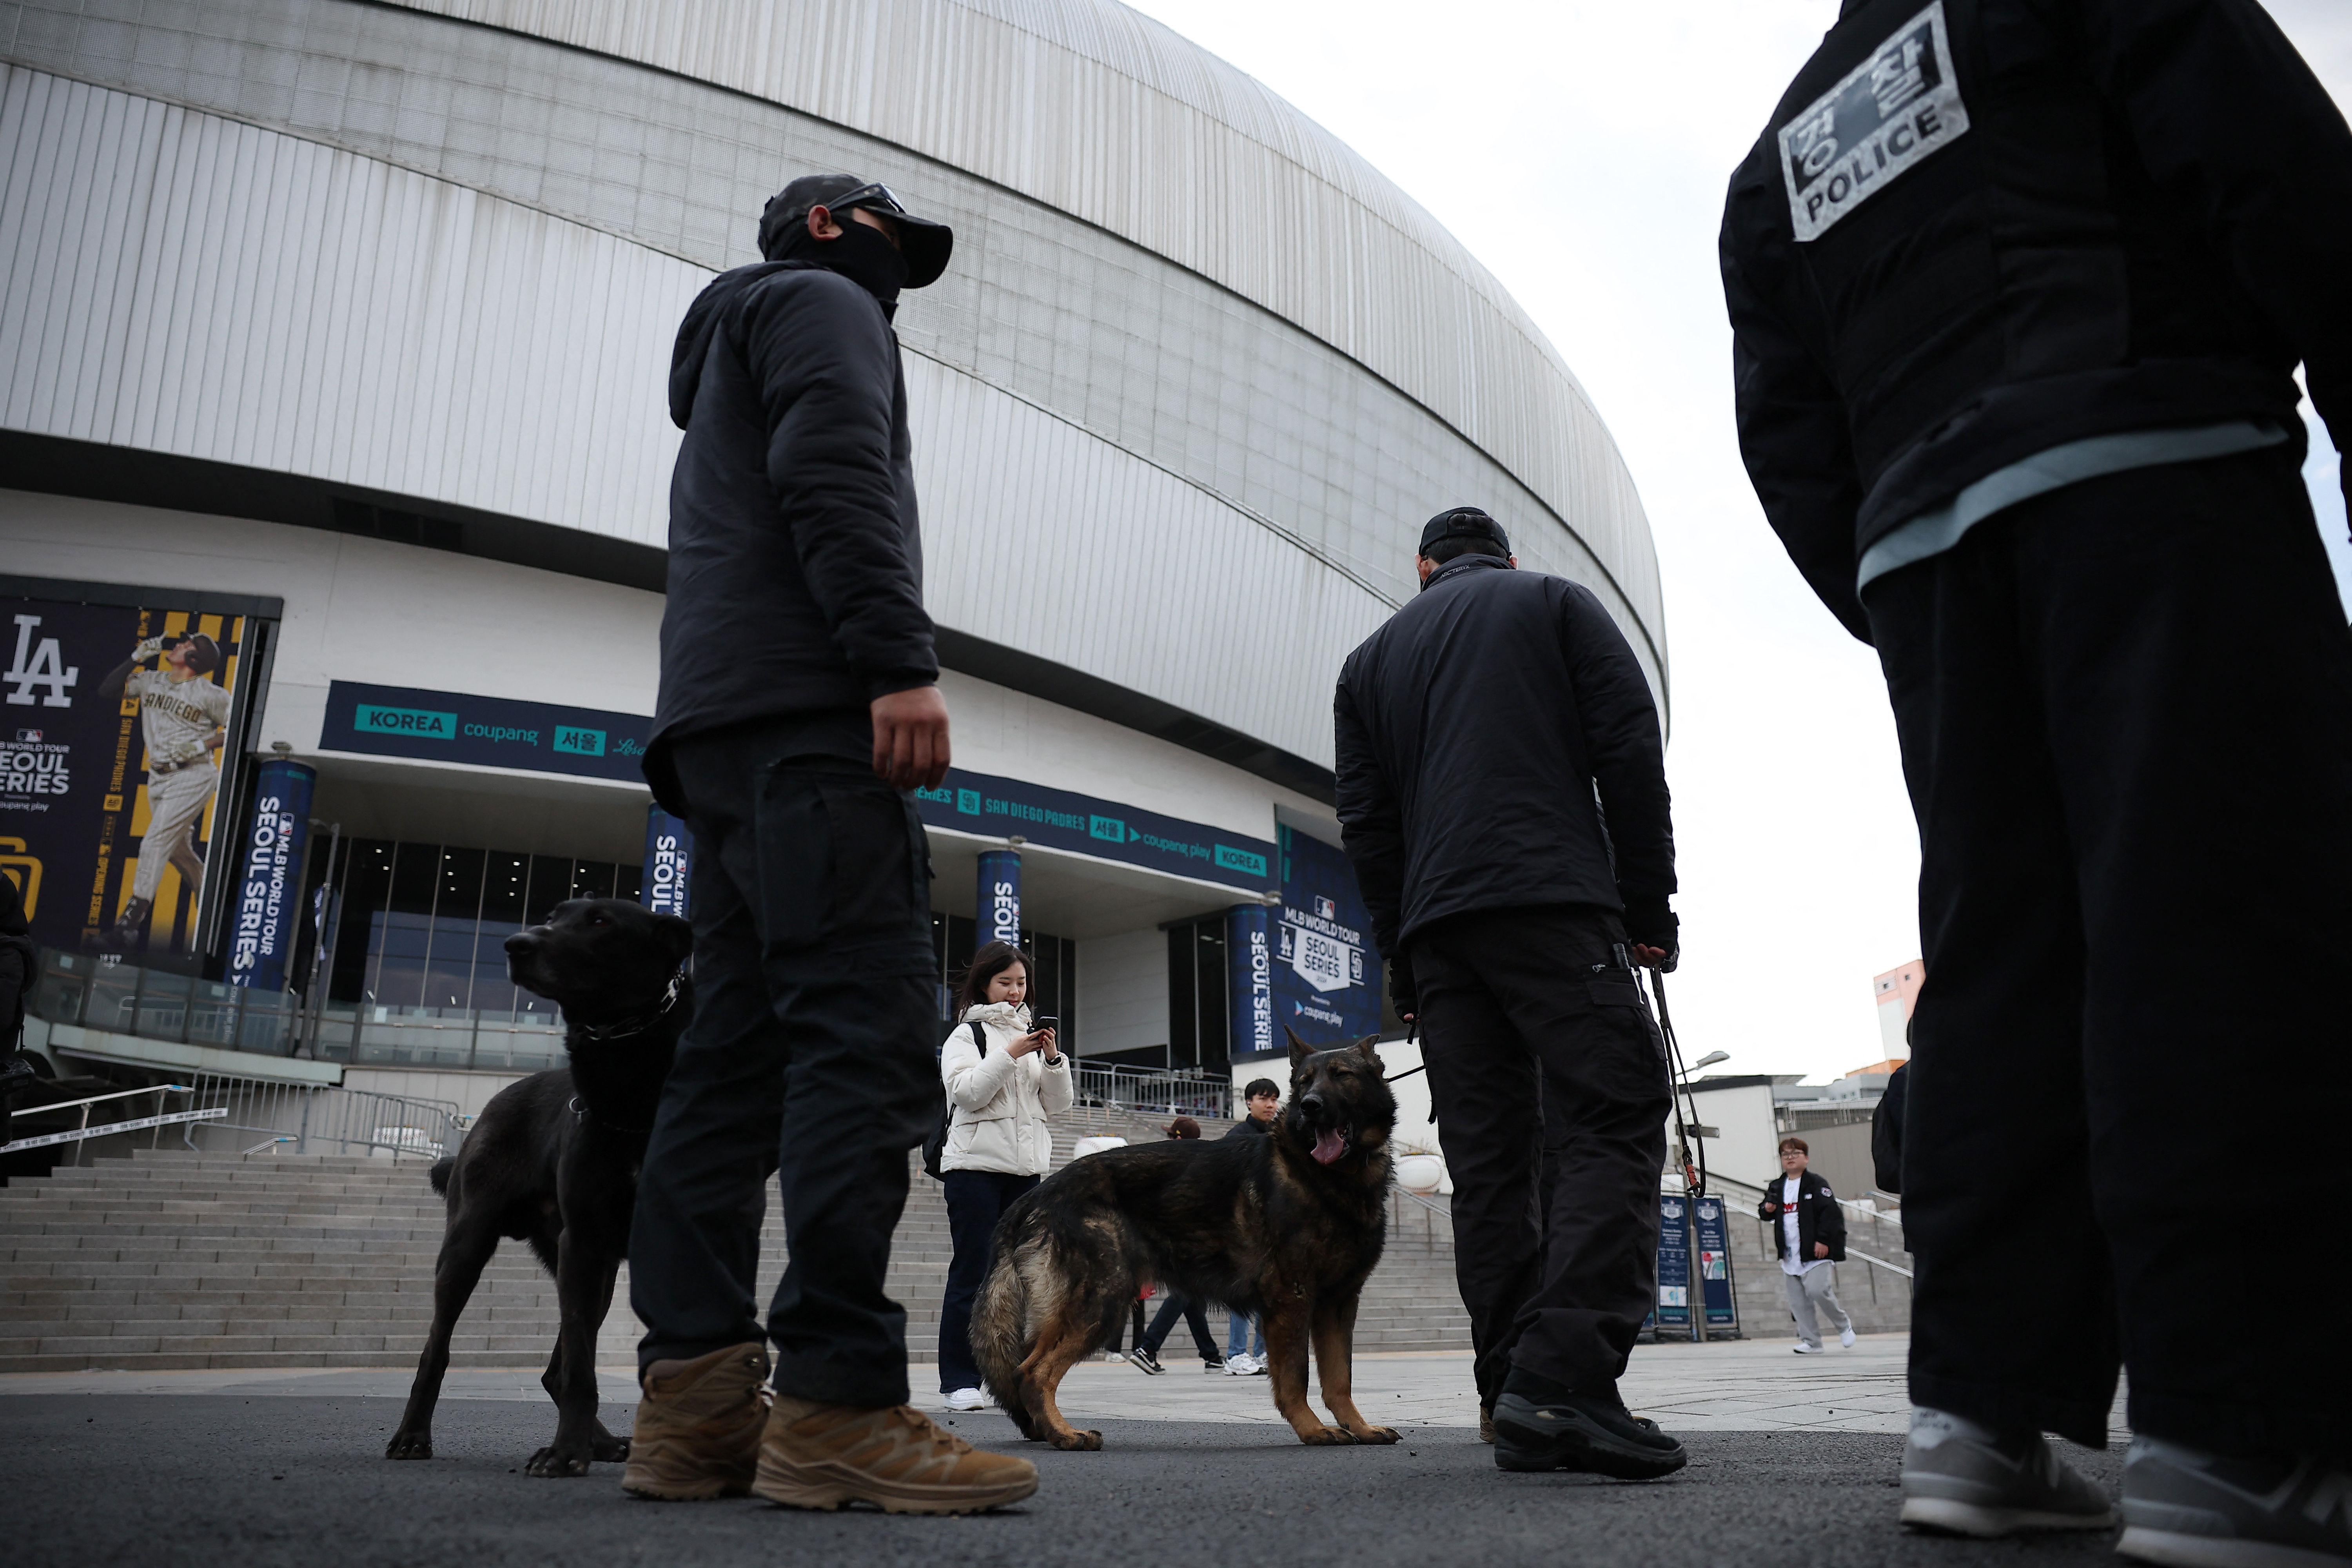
[
  {"x": 1793, "y": 1461},
  {"x": 260, "y": 1482}
]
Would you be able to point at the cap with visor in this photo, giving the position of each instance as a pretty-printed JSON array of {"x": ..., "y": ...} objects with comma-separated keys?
[{"x": 924, "y": 242}]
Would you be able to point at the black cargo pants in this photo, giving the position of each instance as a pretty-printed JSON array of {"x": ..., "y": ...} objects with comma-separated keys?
[
  {"x": 1545, "y": 1074},
  {"x": 2126, "y": 712},
  {"x": 812, "y": 1045}
]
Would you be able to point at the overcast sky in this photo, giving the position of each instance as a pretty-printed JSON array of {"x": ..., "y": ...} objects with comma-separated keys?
[{"x": 1581, "y": 151}]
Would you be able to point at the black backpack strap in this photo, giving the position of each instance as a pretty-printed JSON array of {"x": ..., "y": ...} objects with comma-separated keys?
[{"x": 980, "y": 1036}]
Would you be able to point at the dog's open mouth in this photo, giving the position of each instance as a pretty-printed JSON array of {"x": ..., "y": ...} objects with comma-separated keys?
[{"x": 1331, "y": 1143}]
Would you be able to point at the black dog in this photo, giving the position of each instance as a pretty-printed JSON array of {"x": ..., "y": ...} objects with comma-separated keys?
[
  {"x": 553, "y": 1158},
  {"x": 1288, "y": 1225}
]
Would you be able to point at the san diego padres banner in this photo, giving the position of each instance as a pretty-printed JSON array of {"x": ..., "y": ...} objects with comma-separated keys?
[{"x": 114, "y": 723}]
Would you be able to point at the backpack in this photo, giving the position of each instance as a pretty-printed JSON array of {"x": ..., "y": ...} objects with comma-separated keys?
[{"x": 936, "y": 1146}]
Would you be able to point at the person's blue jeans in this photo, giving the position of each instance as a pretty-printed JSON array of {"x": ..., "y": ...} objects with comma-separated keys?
[{"x": 1245, "y": 1331}]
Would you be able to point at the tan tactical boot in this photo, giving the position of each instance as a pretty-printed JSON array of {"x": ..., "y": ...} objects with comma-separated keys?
[
  {"x": 697, "y": 1432},
  {"x": 823, "y": 1456}
]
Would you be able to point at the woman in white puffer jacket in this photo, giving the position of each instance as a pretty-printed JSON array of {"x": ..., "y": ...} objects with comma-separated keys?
[{"x": 998, "y": 1145}]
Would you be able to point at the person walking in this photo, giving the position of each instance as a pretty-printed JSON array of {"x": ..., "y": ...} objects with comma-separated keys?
[
  {"x": 1244, "y": 1334},
  {"x": 1810, "y": 1228},
  {"x": 1146, "y": 1354},
  {"x": 1481, "y": 734},
  {"x": 798, "y": 704},
  {"x": 1002, "y": 1080},
  {"x": 2018, "y": 290}
]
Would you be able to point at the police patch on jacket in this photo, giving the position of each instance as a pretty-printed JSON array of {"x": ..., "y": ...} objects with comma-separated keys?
[{"x": 1893, "y": 109}]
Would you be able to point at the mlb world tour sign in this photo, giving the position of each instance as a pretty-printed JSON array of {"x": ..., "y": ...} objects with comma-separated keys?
[{"x": 266, "y": 916}]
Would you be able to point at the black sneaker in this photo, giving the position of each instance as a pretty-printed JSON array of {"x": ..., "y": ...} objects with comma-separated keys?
[
  {"x": 1541, "y": 1425},
  {"x": 2196, "y": 1509},
  {"x": 1146, "y": 1359},
  {"x": 1213, "y": 1366}
]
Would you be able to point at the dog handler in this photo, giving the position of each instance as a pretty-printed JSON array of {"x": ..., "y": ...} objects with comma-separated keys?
[
  {"x": 798, "y": 704},
  {"x": 1474, "y": 729},
  {"x": 2018, "y": 289}
]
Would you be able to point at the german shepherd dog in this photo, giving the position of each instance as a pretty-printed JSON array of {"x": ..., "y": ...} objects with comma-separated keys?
[
  {"x": 1288, "y": 1225},
  {"x": 553, "y": 1158}
]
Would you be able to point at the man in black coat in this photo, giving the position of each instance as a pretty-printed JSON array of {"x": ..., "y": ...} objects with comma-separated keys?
[
  {"x": 1810, "y": 1229},
  {"x": 798, "y": 704},
  {"x": 1481, "y": 734},
  {"x": 2018, "y": 289}
]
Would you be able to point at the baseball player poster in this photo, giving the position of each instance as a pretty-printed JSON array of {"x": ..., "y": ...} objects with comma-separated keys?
[{"x": 114, "y": 725}]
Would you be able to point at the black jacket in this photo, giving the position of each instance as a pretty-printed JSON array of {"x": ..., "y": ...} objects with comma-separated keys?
[
  {"x": 1886, "y": 1131},
  {"x": 795, "y": 553},
  {"x": 1819, "y": 1218},
  {"x": 2113, "y": 216},
  {"x": 1250, "y": 1127},
  {"x": 1472, "y": 731}
]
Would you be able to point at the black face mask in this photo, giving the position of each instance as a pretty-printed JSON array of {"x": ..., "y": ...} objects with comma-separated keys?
[{"x": 860, "y": 253}]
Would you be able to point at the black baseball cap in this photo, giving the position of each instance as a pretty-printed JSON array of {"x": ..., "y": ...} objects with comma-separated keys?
[
  {"x": 924, "y": 242},
  {"x": 1462, "y": 522}
]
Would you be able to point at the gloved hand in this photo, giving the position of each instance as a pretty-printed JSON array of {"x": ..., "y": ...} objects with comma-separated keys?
[
  {"x": 1402, "y": 992},
  {"x": 180, "y": 753},
  {"x": 1650, "y": 923},
  {"x": 147, "y": 651}
]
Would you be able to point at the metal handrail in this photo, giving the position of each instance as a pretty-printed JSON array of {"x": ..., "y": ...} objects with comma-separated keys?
[{"x": 95, "y": 1099}]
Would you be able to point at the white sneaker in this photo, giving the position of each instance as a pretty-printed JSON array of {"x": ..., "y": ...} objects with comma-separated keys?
[
  {"x": 1240, "y": 1365},
  {"x": 1804, "y": 1349},
  {"x": 967, "y": 1399},
  {"x": 1846, "y": 1338}
]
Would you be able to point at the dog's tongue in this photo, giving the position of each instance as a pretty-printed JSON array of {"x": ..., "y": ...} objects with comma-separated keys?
[{"x": 1328, "y": 1145}]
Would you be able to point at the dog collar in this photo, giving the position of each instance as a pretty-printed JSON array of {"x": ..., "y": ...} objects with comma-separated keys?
[{"x": 628, "y": 1027}]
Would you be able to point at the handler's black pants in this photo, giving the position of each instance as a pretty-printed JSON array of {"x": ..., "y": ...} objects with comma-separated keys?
[
  {"x": 1546, "y": 1073},
  {"x": 2126, "y": 711},
  {"x": 813, "y": 1044}
]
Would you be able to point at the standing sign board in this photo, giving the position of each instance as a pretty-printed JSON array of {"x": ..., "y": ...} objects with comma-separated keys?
[
  {"x": 1673, "y": 1265},
  {"x": 1715, "y": 1264},
  {"x": 116, "y": 722}
]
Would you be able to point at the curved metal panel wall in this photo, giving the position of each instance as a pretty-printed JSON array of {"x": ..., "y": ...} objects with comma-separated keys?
[
  {"x": 188, "y": 284},
  {"x": 472, "y": 300},
  {"x": 1100, "y": 112}
]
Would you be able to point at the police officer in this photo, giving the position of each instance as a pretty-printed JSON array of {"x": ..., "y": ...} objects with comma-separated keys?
[
  {"x": 2018, "y": 290},
  {"x": 1502, "y": 793}
]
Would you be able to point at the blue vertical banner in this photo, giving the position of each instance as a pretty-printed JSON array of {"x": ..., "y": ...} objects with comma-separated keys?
[
  {"x": 668, "y": 881},
  {"x": 1715, "y": 1264},
  {"x": 1327, "y": 972},
  {"x": 1674, "y": 1267},
  {"x": 1250, "y": 985},
  {"x": 267, "y": 915},
  {"x": 997, "y": 917}
]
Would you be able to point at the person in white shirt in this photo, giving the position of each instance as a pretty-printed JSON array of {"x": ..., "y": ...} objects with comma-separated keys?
[
  {"x": 1002, "y": 1080},
  {"x": 1812, "y": 1240}
]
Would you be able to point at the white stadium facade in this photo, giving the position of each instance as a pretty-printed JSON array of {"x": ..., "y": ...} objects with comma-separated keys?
[{"x": 339, "y": 333}]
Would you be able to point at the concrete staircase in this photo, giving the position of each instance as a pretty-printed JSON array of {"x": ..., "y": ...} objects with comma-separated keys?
[{"x": 179, "y": 1260}]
